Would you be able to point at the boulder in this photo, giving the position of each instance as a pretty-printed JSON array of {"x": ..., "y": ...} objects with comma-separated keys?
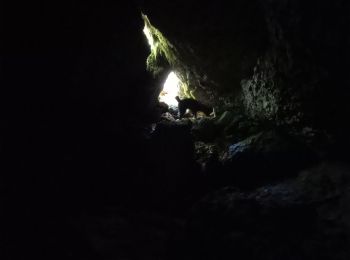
[
  {"x": 205, "y": 130},
  {"x": 266, "y": 156}
]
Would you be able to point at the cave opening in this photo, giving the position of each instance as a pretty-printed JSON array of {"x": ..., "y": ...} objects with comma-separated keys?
[
  {"x": 164, "y": 58},
  {"x": 170, "y": 90}
]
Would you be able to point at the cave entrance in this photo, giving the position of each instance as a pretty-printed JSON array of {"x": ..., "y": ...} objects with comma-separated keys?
[
  {"x": 171, "y": 89},
  {"x": 164, "y": 57}
]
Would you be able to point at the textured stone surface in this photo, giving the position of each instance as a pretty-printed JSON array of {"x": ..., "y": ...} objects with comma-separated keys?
[{"x": 276, "y": 221}]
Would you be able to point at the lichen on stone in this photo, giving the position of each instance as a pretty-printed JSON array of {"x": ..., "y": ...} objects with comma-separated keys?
[{"x": 160, "y": 46}]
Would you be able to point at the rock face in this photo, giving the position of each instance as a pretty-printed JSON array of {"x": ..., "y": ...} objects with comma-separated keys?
[
  {"x": 276, "y": 221},
  {"x": 301, "y": 63},
  {"x": 266, "y": 157}
]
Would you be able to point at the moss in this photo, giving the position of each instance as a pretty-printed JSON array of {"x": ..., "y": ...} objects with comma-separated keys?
[
  {"x": 160, "y": 46},
  {"x": 164, "y": 56}
]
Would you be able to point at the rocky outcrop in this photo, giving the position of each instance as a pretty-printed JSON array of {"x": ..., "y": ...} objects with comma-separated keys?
[
  {"x": 299, "y": 78},
  {"x": 265, "y": 157},
  {"x": 276, "y": 221}
]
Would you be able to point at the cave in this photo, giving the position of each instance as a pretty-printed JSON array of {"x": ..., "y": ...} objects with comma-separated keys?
[{"x": 175, "y": 130}]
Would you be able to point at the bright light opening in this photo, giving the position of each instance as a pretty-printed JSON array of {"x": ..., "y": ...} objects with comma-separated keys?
[
  {"x": 149, "y": 37},
  {"x": 170, "y": 90}
]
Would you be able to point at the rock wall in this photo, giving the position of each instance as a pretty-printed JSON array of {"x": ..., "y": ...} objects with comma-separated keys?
[{"x": 299, "y": 77}]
